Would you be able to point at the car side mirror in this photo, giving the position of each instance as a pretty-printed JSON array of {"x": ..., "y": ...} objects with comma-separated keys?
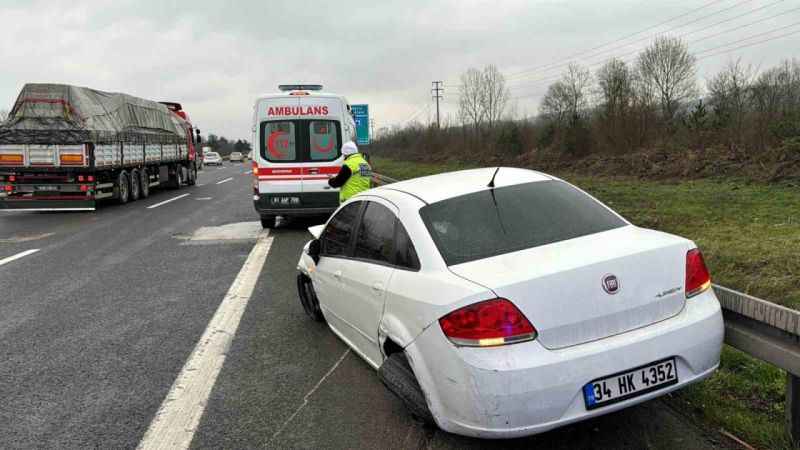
[{"x": 314, "y": 249}]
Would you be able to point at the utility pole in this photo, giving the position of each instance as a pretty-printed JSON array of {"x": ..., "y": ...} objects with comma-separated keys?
[
  {"x": 372, "y": 128},
  {"x": 437, "y": 90}
]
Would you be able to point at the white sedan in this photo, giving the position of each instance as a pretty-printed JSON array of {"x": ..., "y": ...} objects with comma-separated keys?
[
  {"x": 212, "y": 158},
  {"x": 506, "y": 302}
]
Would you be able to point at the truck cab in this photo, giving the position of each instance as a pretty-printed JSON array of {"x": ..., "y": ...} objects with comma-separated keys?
[{"x": 298, "y": 135}]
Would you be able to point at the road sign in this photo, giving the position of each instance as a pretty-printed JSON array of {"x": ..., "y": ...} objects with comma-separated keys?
[{"x": 361, "y": 116}]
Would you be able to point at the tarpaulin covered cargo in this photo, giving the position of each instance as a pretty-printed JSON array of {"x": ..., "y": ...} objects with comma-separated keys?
[{"x": 65, "y": 114}]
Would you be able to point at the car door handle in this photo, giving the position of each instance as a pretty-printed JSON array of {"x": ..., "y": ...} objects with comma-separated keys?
[
  {"x": 377, "y": 287},
  {"x": 337, "y": 274}
]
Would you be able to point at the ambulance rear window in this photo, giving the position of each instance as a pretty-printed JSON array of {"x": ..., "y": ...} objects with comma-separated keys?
[
  {"x": 324, "y": 141},
  {"x": 301, "y": 140},
  {"x": 279, "y": 141}
]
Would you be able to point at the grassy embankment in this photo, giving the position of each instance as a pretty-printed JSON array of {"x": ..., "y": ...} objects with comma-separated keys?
[{"x": 750, "y": 237}]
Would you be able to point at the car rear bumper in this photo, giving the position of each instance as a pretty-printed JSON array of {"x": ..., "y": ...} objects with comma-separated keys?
[{"x": 524, "y": 389}]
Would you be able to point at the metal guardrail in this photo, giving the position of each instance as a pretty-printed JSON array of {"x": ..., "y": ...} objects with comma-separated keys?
[{"x": 762, "y": 329}]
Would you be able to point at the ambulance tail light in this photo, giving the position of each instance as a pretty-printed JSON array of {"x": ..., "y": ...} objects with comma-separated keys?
[{"x": 255, "y": 169}]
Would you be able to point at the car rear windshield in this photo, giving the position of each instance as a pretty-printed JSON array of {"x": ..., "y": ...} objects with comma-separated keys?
[
  {"x": 300, "y": 140},
  {"x": 507, "y": 219}
]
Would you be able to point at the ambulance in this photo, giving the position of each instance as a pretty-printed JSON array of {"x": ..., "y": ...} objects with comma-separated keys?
[{"x": 298, "y": 135}]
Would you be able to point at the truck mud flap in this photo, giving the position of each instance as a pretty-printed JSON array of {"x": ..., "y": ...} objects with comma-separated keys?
[{"x": 46, "y": 205}]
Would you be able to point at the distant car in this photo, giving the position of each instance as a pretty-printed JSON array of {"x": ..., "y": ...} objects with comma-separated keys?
[
  {"x": 212, "y": 159},
  {"x": 506, "y": 302},
  {"x": 236, "y": 157}
]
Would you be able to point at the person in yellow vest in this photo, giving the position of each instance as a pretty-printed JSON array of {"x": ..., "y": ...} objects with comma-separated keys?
[{"x": 355, "y": 175}]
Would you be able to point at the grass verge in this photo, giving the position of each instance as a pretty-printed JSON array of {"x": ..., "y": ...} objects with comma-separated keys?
[{"x": 750, "y": 237}]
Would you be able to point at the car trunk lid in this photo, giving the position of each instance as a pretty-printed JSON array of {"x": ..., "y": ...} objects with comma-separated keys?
[{"x": 560, "y": 286}]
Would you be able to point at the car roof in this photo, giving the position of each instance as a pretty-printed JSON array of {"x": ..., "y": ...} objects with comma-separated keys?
[{"x": 435, "y": 188}]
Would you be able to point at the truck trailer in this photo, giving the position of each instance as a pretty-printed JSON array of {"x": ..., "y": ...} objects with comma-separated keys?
[{"x": 65, "y": 147}]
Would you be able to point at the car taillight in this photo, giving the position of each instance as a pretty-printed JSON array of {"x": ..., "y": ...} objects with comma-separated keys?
[
  {"x": 12, "y": 178},
  {"x": 488, "y": 323},
  {"x": 697, "y": 276},
  {"x": 255, "y": 169},
  {"x": 8, "y": 188}
]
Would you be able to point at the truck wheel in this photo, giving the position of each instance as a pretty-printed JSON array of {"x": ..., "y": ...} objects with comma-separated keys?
[
  {"x": 192, "y": 175},
  {"x": 268, "y": 221},
  {"x": 123, "y": 187},
  {"x": 308, "y": 298},
  {"x": 144, "y": 184},
  {"x": 397, "y": 375},
  {"x": 135, "y": 185},
  {"x": 176, "y": 179}
]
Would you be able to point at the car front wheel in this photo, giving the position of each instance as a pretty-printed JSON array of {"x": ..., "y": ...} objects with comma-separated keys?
[{"x": 308, "y": 298}]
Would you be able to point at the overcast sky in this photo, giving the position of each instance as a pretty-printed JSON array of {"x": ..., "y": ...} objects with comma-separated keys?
[{"x": 216, "y": 56}]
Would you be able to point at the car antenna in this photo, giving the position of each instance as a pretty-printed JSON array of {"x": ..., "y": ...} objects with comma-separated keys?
[
  {"x": 494, "y": 201},
  {"x": 491, "y": 183}
]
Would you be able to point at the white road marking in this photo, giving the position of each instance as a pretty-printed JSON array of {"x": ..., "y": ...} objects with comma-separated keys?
[
  {"x": 5, "y": 261},
  {"x": 204, "y": 198},
  {"x": 200, "y": 184},
  {"x": 225, "y": 180},
  {"x": 179, "y": 415},
  {"x": 167, "y": 201},
  {"x": 310, "y": 393}
]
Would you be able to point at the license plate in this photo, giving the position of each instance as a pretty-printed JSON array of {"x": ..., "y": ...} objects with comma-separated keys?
[
  {"x": 629, "y": 384},
  {"x": 285, "y": 201},
  {"x": 46, "y": 188}
]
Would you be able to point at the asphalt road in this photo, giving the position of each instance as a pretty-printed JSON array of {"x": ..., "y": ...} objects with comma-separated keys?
[{"x": 96, "y": 326}]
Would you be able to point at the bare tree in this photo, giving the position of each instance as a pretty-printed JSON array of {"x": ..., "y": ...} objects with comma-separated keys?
[
  {"x": 496, "y": 95},
  {"x": 3, "y": 115},
  {"x": 669, "y": 66},
  {"x": 729, "y": 95},
  {"x": 568, "y": 99},
  {"x": 616, "y": 92},
  {"x": 471, "y": 98}
]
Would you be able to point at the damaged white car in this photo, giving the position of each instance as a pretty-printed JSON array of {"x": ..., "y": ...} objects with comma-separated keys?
[{"x": 506, "y": 302}]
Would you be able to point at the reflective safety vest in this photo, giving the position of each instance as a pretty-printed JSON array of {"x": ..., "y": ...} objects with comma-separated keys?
[{"x": 360, "y": 177}]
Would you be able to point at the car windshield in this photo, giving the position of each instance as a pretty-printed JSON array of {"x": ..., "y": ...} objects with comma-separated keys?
[{"x": 507, "y": 219}]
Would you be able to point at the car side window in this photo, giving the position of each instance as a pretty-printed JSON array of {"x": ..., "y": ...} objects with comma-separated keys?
[
  {"x": 375, "y": 239},
  {"x": 335, "y": 239},
  {"x": 405, "y": 255}
]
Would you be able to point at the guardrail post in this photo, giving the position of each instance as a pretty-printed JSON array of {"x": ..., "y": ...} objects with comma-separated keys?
[{"x": 793, "y": 406}]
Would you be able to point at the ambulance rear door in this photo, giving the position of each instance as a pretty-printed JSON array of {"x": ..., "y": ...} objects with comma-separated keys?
[
  {"x": 276, "y": 132},
  {"x": 323, "y": 143}
]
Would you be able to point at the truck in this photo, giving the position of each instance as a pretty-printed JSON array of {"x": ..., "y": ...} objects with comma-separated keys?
[{"x": 66, "y": 147}]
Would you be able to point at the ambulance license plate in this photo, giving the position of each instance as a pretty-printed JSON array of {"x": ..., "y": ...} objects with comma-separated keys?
[
  {"x": 47, "y": 188},
  {"x": 285, "y": 201},
  {"x": 624, "y": 385}
]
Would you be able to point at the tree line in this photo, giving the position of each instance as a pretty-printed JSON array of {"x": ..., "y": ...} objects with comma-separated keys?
[
  {"x": 652, "y": 101},
  {"x": 224, "y": 147}
]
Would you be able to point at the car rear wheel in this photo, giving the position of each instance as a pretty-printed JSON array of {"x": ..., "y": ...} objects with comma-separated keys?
[
  {"x": 397, "y": 375},
  {"x": 308, "y": 298}
]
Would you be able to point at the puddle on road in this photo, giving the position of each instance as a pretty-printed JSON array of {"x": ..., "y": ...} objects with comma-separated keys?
[{"x": 230, "y": 233}]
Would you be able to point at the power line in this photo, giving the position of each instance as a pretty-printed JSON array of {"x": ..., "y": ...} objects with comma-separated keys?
[
  {"x": 750, "y": 45},
  {"x": 512, "y": 75},
  {"x": 706, "y": 50},
  {"x": 624, "y": 56},
  {"x": 646, "y": 38}
]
